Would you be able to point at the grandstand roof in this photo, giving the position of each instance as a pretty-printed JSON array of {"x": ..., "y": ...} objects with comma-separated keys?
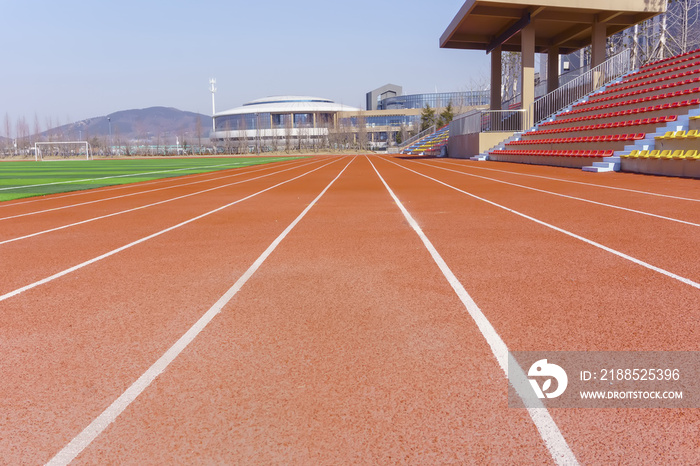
[
  {"x": 289, "y": 104},
  {"x": 567, "y": 24}
]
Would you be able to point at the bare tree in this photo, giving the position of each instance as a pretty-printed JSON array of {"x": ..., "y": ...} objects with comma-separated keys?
[
  {"x": 198, "y": 131},
  {"x": 511, "y": 72},
  {"x": 22, "y": 132},
  {"x": 37, "y": 128},
  {"x": 287, "y": 133},
  {"x": 361, "y": 132},
  {"x": 7, "y": 128},
  {"x": 243, "y": 141},
  {"x": 682, "y": 23}
]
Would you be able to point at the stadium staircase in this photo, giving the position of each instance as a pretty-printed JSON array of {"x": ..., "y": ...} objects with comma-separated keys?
[
  {"x": 648, "y": 121},
  {"x": 431, "y": 144}
]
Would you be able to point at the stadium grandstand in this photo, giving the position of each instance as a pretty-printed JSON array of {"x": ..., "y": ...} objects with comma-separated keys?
[{"x": 612, "y": 117}]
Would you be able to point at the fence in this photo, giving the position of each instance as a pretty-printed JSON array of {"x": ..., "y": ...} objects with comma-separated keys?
[
  {"x": 423, "y": 133},
  {"x": 581, "y": 86},
  {"x": 482, "y": 121},
  {"x": 479, "y": 121}
]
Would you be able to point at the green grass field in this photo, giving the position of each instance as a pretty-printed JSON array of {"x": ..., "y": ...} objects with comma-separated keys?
[{"x": 28, "y": 179}]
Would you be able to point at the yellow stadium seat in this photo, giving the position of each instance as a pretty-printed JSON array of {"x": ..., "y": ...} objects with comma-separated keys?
[
  {"x": 689, "y": 154},
  {"x": 692, "y": 133},
  {"x": 679, "y": 134},
  {"x": 666, "y": 154},
  {"x": 677, "y": 154},
  {"x": 644, "y": 154},
  {"x": 668, "y": 135},
  {"x": 655, "y": 154},
  {"x": 634, "y": 154}
]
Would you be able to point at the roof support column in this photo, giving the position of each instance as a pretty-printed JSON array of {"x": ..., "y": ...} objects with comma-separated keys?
[
  {"x": 598, "y": 51},
  {"x": 496, "y": 78},
  {"x": 598, "y": 43},
  {"x": 527, "y": 36},
  {"x": 552, "y": 69}
]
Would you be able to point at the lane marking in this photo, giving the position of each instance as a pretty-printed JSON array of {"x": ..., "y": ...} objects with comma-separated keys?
[
  {"x": 97, "y": 426},
  {"x": 548, "y": 429},
  {"x": 146, "y": 238},
  {"x": 134, "y": 209},
  {"x": 562, "y": 195},
  {"x": 117, "y": 187},
  {"x": 577, "y": 182},
  {"x": 687, "y": 281},
  {"x": 236, "y": 174}
]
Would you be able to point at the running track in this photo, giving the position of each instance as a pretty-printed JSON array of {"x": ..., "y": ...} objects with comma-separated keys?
[{"x": 324, "y": 311}]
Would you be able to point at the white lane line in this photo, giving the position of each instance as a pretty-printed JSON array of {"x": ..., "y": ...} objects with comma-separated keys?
[
  {"x": 562, "y": 195},
  {"x": 548, "y": 429},
  {"x": 146, "y": 238},
  {"x": 118, "y": 187},
  {"x": 687, "y": 281},
  {"x": 117, "y": 176},
  {"x": 236, "y": 174},
  {"x": 134, "y": 209},
  {"x": 576, "y": 182},
  {"x": 96, "y": 427}
]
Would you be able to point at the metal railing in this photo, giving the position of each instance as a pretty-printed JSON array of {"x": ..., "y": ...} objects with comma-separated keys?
[
  {"x": 483, "y": 121},
  {"x": 593, "y": 79},
  {"x": 423, "y": 133},
  {"x": 541, "y": 88}
]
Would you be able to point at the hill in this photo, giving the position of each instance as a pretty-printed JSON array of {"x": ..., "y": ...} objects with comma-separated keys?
[{"x": 154, "y": 125}]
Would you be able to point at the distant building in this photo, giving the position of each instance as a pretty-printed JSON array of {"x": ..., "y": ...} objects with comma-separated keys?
[
  {"x": 279, "y": 122},
  {"x": 384, "y": 92},
  {"x": 275, "y": 121},
  {"x": 435, "y": 100}
]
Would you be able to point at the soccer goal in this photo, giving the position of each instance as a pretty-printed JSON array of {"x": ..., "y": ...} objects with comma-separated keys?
[{"x": 71, "y": 150}]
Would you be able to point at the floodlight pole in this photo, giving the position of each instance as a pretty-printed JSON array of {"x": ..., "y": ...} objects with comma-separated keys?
[{"x": 212, "y": 88}]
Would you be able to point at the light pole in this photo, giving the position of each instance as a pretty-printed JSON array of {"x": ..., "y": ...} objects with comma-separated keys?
[{"x": 212, "y": 89}]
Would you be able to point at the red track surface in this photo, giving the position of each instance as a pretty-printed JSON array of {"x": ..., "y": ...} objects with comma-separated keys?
[{"x": 347, "y": 345}]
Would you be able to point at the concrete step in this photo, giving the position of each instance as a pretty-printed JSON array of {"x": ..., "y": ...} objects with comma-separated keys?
[{"x": 600, "y": 167}]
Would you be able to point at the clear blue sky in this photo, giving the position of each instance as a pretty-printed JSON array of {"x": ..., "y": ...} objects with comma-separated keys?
[{"x": 76, "y": 59}]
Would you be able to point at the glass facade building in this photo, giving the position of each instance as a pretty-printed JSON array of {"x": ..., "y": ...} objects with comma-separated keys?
[{"x": 436, "y": 100}]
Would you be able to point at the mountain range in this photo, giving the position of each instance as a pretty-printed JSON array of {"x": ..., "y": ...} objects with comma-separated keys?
[{"x": 161, "y": 125}]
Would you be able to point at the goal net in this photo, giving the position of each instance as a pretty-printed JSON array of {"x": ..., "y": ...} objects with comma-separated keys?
[{"x": 72, "y": 150}]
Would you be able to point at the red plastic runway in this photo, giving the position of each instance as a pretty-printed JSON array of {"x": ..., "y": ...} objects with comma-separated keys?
[{"x": 290, "y": 314}]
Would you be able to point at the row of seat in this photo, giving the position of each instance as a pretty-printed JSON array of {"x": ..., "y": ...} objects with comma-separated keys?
[
  {"x": 430, "y": 143},
  {"x": 633, "y": 85},
  {"x": 555, "y": 153},
  {"x": 580, "y": 139},
  {"x": 620, "y": 113},
  {"x": 645, "y": 90},
  {"x": 599, "y": 126},
  {"x": 646, "y": 80},
  {"x": 663, "y": 154},
  {"x": 641, "y": 100},
  {"x": 690, "y": 134},
  {"x": 677, "y": 64},
  {"x": 670, "y": 60}
]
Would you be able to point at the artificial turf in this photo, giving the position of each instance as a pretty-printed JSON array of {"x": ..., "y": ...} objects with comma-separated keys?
[{"x": 28, "y": 179}]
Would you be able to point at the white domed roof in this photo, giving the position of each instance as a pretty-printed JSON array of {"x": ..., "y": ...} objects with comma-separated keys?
[{"x": 289, "y": 104}]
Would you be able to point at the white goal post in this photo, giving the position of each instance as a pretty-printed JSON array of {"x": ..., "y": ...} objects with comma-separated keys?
[{"x": 64, "y": 150}]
